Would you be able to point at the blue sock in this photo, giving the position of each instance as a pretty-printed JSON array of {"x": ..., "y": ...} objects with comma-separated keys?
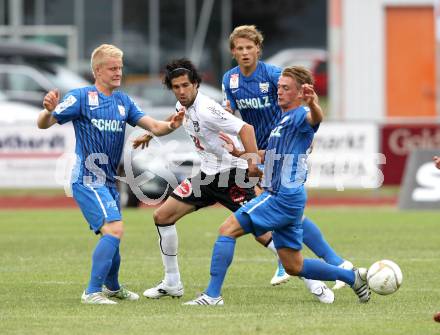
[
  {"x": 112, "y": 281},
  {"x": 319, "y": 270},
  {"x": 102, "y": 262},
  {"x": 222, "y": 255},
  {"x": 313, "y": 239}
]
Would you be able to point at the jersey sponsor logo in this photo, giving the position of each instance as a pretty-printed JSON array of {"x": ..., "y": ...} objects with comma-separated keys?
[
  {"x": 121, "y": 110},
  {"x": 255, "y": 103},
  {"x": 69, "y": 101},
  {"x": 264, "y": 87},
  {"x": 233, "y": 80},
  {"x": 276, "y": 132},
  {"x": 93, "y": 98},
  {"x": 184, "y": 190},
  {"x": 108, "y": 125}
]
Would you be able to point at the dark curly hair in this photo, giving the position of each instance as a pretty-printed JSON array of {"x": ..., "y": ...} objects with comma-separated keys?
[{"x": 180, "y": 67}]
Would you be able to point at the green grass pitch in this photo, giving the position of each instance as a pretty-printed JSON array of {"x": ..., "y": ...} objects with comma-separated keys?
[{"x": 45, "y": 262}]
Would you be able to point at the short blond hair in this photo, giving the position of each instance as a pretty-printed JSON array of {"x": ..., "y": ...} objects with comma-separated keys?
[
  {"x": 249, "y": 32},
  {"x": 102, "y": 52},
  {"x": 300, "y": 74}
]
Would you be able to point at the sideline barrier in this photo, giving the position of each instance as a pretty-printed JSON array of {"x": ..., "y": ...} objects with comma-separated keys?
[{"x": 421, "y": 182}]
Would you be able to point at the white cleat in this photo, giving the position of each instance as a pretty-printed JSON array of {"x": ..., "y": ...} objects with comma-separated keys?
[
  {"x": 360, "y": 286},
  {"x": 97, "y": 298},
  {"x": 347, "y": 265},
  {"x": 162, "y": 290},
  {"x": 323, "y": 294},
  {"x": 205, "y": 300},
  {"x": 280, "y": 276},
  {"x": 122, "y": 294}
]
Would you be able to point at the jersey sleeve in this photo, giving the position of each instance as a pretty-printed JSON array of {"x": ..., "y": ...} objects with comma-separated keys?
[
  {"x": 69, "y": 108},
  {"x": 303, "y": 125},
  {"x": 215, "y": 117},
  {"x": 134, "y": 112},
  {"x": 227, "y": 92},
  {"x": 274, "y": 74}
]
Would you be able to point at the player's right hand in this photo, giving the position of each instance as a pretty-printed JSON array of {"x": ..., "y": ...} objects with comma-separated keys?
[
  {"x": 51, "y": 100},
  {"x": 228, "y": 108},
  {"x": 142, "y": 141}
]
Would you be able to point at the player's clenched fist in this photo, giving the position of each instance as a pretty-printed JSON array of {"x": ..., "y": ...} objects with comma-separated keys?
[{"x": 51, "y": 100}]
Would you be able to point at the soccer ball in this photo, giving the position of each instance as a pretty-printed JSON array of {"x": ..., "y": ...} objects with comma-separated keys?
[{"x": 384, "y": 277}]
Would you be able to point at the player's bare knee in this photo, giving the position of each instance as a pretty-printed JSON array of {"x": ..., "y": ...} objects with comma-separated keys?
[
  {"x": 117, "y": 232},
  {"x": 224, "y": 229},
  {"x": 115, "y": 228},
  {"x": 293, "y": 269},
  {"x": 231, "y": 228},
  {"x": 161, "y": 217},
  {"x": 264, "y": 239}
]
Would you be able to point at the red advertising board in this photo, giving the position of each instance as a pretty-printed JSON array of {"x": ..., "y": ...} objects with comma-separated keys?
[{"x": 398, "y": 140}]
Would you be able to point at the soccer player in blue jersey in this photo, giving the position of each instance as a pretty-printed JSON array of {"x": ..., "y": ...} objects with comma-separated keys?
[
  {"x": 99, "y": 115},
  {"x": 280, "y": 207},
  {"x": 251, "y": 89}
]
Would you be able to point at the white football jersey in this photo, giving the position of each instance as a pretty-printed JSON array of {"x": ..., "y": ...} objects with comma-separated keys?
[{"x": 203, "y": 121}]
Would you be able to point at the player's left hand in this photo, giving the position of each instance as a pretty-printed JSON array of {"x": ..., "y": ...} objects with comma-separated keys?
[
  {"x": 229, "y": 144},
  {"x": 254, "y": 171},
  {"x": 177, "y": 119},
  {"x": 309, "y": 94},
  {"x": 228, "y": 107},
  {"x": 142, "y": 141}
]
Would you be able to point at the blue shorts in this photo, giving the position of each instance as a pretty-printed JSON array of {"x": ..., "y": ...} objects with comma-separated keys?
[
  {"x": 280, "y": 213},
  {"x": 98, "y": 204}
]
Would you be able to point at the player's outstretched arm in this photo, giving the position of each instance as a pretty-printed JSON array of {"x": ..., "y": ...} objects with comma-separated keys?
[
  {"x": 160, "y": 128},
  {"x": 143, "y": 140},
  {"x": 316, "y": 114},
  {"x": 45, "y": 118}
]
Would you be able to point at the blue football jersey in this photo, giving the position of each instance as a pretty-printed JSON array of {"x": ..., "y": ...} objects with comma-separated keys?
[
  {"x": 99, "y": 122},
  {"x": 255, "y": 97},
  {"x": 285, "y": 163}
]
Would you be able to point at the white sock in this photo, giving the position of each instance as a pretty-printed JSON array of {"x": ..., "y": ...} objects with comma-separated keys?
[
  {"x": 168, "y": 243},
  {"x": 271, "y": 247}
]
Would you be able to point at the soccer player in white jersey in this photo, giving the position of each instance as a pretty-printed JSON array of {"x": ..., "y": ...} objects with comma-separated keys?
[
  {"x": 250, "y": 89},
  {"x": 99, "y": 115},
  {"x": 204, "y": 121}
]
